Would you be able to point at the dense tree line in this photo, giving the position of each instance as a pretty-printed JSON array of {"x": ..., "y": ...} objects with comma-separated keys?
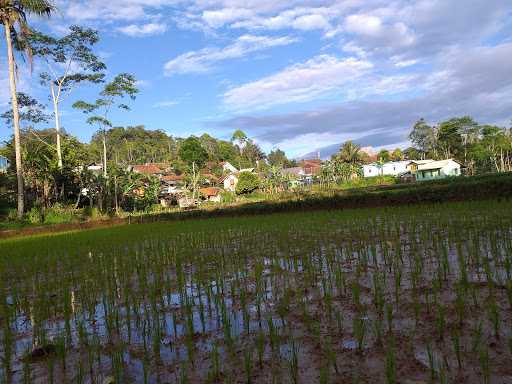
[{"x": 480, "y": 148}]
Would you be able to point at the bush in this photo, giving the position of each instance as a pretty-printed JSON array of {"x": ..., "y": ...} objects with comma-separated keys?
[
  {"x": 247, "y": 183},
  {"x": 34, "y": 216},
  {"x": 59, "y": 215},
  {"x": 227, "y": 197},
  {"x": 92, "y": 212}
]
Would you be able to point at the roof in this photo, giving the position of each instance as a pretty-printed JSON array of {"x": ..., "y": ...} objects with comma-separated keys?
[
  {"x": 436, "y": 164},
  {"x": 147, "y": 168},
  {"x": 211, "y": 177},
  {"x": 210, "y": 191},
  {"x": 172, "y": 177},
  {"x": 221, "y": 180},
  {"x": 311, "y": 163},
  {"x": 421, "y": 161},
  {"x": 387, "y": 164},
  {"x": 297, "y": 171}
]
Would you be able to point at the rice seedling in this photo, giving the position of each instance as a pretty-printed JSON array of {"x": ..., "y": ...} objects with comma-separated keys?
[
  {"x": 391, "y": 377},
  {"x": 230, "y": 299}
]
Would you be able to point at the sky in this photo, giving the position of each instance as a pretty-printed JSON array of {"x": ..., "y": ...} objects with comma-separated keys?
[{"x": 302, "y": 75}]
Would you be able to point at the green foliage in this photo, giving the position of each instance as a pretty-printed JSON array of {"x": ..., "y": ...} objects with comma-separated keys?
[
  {"x": 384, "y": 156},
  {"x": 278, "y": 158},
  {"x": 247, "y": 183},
  {"x": 228, "y": 197},
  {"x": 34, "y": 216},
  {"x": 121, "y": 86},
  {"x": 59, "y": 53},
  {"x": 192, "y": 152}
]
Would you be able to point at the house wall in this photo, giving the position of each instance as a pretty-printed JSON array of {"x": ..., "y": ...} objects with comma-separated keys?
[
  {"x": 393, "y": 168},
  {"x": 230, "y": 183},
  {"x": 449, "y": 170},
  {"x": 4, "y": 164},
  {"x": 370, "y": 170},
  {"x": 228, "y": 167}
]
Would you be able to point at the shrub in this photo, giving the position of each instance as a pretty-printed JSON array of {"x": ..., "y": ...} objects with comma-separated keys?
[
  {"x": 227, "y": 197},
  {"x": 247, "y": 183},
  {"x": 34, "y": 216}
]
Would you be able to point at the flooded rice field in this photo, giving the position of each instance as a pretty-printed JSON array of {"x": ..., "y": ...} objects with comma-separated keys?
[{"x": 400, "y": 295}]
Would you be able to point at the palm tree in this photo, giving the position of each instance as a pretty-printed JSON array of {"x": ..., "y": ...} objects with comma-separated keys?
[
  {"x": 349, "y": 153},
  {"x": 13, "y": 13}
]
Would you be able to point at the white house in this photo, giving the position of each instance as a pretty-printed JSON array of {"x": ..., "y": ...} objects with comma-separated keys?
[
  {"x": 391, "y": 168},
  {"x": 228, "y": 167},
  {"x": 437, "y": 169},
  {"x": 230, "y": 181},
  {"x": 4, "y": 164}
]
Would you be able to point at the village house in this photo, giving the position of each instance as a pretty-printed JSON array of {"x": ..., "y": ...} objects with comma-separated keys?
[
  {"x": 434, "y": 170},
  {"x": 311, "y": 167},
  {"x": 410, "y": 170},
  {"x": 4, "y": 164},
  {"x": 211, "y": 194},
  {"x": 229, "y": 182},
  {"x": 147, "y": 169},
  {"x": 391, "y": 168},
  {"x": 305, "y": 172},
  {"x": 228, "y": 167}
]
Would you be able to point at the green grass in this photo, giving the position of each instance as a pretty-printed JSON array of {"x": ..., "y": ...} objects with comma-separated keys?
[{"x": 371, "y": 192}]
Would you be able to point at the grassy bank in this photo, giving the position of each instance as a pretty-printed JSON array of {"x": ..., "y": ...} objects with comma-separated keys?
[{"x": 493, "y": 186}]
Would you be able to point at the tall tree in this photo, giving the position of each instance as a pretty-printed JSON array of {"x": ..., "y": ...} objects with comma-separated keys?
[
  {"x": 239, "y": 138},
  {"x": 70, "y": 61},
  {"x": 192, "y": 152},
  {"x": 349, "y": 153},
  {"x": 397, "y": 155},
  {"x": 13, "y": 16},
  {"x": 384, "y": 155},
  {"x": 123, "y": 85},
  {"x": 277, "y": 158},
  {"x": 423, "y": 136}
]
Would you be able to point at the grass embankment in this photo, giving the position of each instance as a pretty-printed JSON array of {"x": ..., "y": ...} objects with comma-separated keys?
[
  {"x": 457, "y": 189},
  {"x": 493, "y": 186}
]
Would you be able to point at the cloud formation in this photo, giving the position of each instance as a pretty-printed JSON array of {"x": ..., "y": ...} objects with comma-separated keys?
[
  {"x": 143, "y": 30},
  {"x": 477, "y": 83},
  {"x": 204, "y": 60},
  {"x": 300, "y": 82}
]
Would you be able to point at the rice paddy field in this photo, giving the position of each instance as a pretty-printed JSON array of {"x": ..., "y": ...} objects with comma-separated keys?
[{"x": 413, "y": 294}]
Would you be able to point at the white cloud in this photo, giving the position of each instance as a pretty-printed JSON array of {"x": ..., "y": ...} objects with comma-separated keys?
[
  {"x": 310, "y": 22},
  {"x": 112, "y": 10},
  {"x": 218, "y": 18},
  {"x": 204, "y": 60},
  {"x": 166, "y": 104},
  {"x": 373, "y": 32},
  {"x": 403, "y": 63},
  {"x": 300, "y": 82},
  {"x": 300, "y": 18},
  {"x": 143, "y": 30},
  {"x": 363, "y": 25}
]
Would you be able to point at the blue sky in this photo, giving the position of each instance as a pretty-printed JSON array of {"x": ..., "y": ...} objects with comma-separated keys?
[{"x": 299, "y": 75}]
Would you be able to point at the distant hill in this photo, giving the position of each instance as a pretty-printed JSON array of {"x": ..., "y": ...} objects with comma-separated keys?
[
  {"x": 367, "y": 142},
  {"x": 326, "y": 152}
]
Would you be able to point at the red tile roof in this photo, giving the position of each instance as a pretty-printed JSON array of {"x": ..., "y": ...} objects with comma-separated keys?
[
  {"x": 149, "y": 169},
  {"x": 173, "y": 177},
  {"x": 211, "y": 191}
]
